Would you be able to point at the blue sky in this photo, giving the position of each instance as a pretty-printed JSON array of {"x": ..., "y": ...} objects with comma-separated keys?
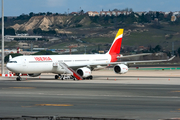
[{"x": 17, "y": 7}]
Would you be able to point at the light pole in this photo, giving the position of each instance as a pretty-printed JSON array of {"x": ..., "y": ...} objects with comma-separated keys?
[{"x": 2, "y": 51}]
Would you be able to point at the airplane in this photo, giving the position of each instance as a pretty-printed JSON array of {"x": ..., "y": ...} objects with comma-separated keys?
[{"x": 79, "y": 66}]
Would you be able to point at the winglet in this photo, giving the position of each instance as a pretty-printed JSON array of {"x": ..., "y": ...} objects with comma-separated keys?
[{"x": 171, "y": 58}]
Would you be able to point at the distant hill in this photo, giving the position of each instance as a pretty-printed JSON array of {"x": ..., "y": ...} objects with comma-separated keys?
[
  {"x": 98, "y": 32},
  {"x": 53, "y": 22}
]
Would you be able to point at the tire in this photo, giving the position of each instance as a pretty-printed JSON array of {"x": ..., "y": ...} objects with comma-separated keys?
[
  {"x": 91, "y": 77},
  {"x": 18, "y": 78},
  {"x": 56, "y": 76}
]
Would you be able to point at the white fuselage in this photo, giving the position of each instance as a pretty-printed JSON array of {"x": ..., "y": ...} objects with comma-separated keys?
[{"x": 50, "y": 63}]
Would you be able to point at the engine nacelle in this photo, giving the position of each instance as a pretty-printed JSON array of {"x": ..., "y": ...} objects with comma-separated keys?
[
  {"x": 84, "y": 72},
  {"x": 120, "y": 69},
  {"x": 34, "y": 74}
]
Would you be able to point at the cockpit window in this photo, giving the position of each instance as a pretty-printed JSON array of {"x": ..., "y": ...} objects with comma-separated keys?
[{"x": 12, "y": 61}]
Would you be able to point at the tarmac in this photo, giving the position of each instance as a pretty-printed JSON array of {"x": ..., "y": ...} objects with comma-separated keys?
[{"x": 138, "y": 94}]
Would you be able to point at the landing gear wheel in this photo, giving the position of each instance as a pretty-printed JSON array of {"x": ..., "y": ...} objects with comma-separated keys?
[
  {"x": 19, "y": 78},
  {"x": 62, "y": 77},
  {"x": 91, "y": 77},
  {"x": 72, "y": 77},
  {"x": 56, "y": 76}
]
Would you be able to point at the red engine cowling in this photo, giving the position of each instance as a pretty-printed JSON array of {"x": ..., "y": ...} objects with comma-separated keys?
[
  {"x": 84, "y": 72},
  {"x": 120, "y": 69}
]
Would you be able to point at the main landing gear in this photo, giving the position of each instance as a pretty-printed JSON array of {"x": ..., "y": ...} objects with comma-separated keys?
[
  {"x": 88, "y": 78},
  {"x": 67, "y": 76},
  {"x": 64, "y": 77},
  {"x": 56, "y": 76}
]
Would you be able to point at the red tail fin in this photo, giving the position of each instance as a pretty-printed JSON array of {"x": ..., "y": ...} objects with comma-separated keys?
[{"x": 116, "y": 45}]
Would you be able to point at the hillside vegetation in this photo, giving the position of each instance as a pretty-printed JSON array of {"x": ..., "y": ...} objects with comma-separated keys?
[{"x": 97, "y": 33}]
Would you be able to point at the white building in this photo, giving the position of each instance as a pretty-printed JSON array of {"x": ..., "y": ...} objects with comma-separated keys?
[{"x": 93, "y": 13}]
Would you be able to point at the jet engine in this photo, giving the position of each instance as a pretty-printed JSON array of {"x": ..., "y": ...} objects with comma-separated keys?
[
  {"x": 34, "y": 74},
  {"x": 120, "y": 69},
  {"x": 84, "y": 72}
]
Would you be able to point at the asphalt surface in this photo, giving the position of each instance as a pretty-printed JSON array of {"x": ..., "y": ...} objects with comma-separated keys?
[{"x": 123, "y": 97}]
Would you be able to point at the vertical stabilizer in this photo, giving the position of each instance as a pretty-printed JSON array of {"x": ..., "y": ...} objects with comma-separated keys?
[{"x": 116, "y": 45}]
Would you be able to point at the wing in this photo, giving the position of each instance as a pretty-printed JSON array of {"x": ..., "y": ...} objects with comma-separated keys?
[
  {"x": 136, "y": 55},
  {"x": 145, "y": 61}
]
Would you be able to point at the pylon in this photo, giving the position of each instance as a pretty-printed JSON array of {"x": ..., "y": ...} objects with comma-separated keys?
[{"x": 138, "y": 79}]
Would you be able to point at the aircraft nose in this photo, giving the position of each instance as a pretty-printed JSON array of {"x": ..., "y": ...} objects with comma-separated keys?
[
  {"x": 9, "y": 66},
  {"x": 13, "y": 67}
]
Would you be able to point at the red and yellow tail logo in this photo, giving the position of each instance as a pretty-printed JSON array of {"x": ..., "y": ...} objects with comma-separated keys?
[{"x": 116, "y": 45}]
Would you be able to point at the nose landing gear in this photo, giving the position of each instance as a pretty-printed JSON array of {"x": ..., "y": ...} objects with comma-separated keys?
[{"x": 18, "y": 78}]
